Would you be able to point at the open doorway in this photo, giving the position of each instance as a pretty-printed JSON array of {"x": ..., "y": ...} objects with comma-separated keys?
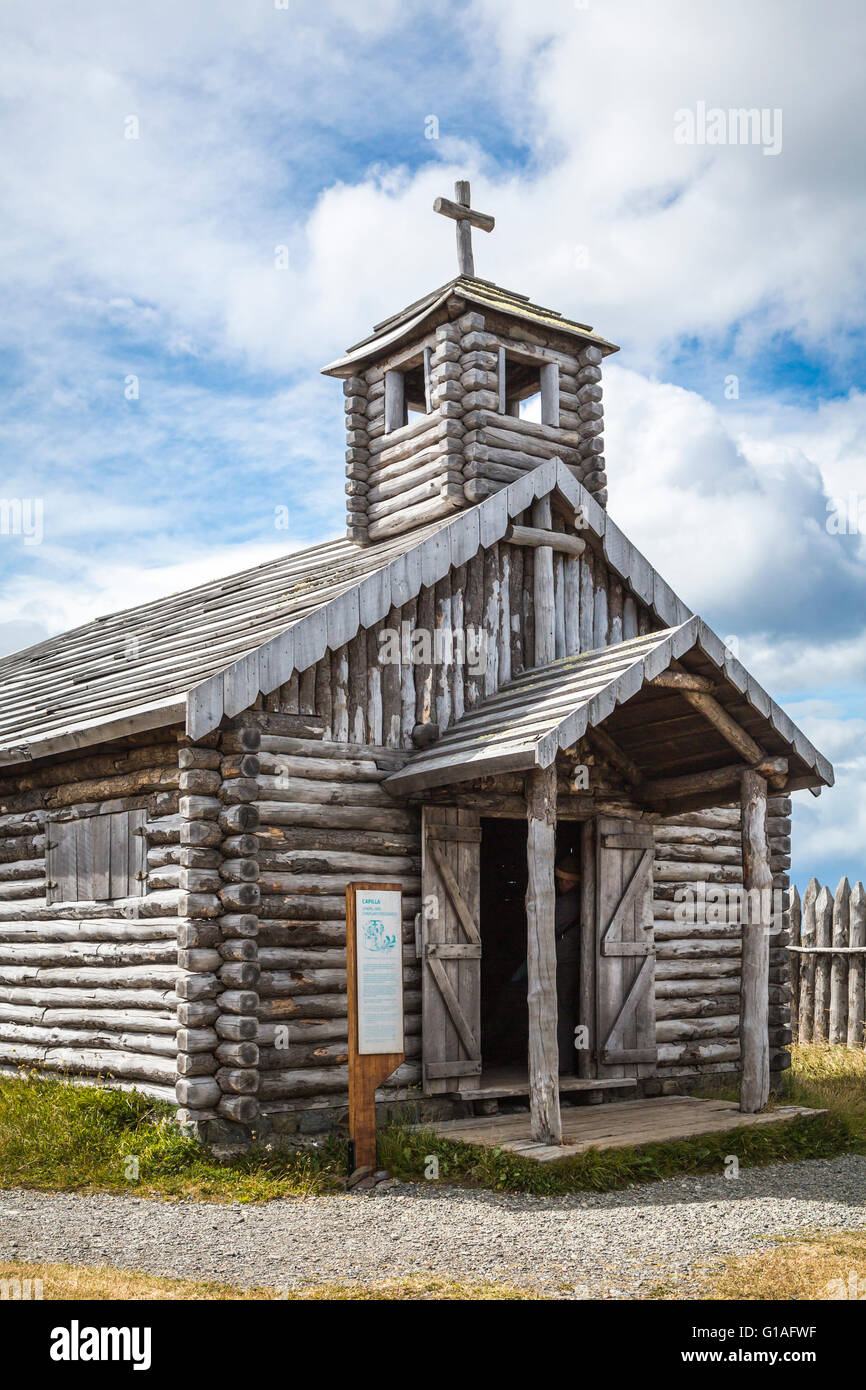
[{"x": 504, "y": 1016}]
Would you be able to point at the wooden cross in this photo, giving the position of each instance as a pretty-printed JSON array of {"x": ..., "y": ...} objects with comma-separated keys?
[{"x": 466, "y": 218}]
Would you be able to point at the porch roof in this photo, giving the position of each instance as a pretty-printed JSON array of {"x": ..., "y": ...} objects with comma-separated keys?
[{"x": 546, "y": 710}]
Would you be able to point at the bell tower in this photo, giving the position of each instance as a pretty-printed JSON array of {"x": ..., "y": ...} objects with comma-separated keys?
[{"x": 460, "y": 393}]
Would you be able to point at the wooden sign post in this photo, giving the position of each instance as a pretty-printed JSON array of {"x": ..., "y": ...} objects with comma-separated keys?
[{"x": 374, "y": 962}]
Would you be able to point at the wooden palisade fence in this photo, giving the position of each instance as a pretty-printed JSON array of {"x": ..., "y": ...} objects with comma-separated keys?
[{"x": 828, "y": 964}]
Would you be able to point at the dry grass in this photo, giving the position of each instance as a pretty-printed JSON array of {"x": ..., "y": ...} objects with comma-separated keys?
[
  {"x": 107, "y": 1283},
  {"x": 826, "y": 1266},
  {"x": 833, "y": 1079}
]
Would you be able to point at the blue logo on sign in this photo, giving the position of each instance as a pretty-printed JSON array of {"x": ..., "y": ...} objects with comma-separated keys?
[{"x": 376, "y": 938}]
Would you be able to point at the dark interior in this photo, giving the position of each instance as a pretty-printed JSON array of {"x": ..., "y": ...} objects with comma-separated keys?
[{"x": 504, "y": 1020}]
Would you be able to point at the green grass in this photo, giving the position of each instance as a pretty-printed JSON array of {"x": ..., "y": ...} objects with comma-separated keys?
[
  {"x": 406, "y": 1154},
  {"x": 834, "y": 1079},
  {"x": 57, "y": 1137}
]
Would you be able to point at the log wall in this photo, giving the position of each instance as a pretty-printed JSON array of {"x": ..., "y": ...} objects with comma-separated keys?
[
  {"x": 698, "y": 965},
  {"x": 324, "y": 819},
  {"x": 89, "y": 988}
]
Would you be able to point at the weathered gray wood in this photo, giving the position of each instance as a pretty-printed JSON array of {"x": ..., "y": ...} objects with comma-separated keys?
[
  {"x": 545, "y": 620},
  {"x": 838, "y": 1020},
  {"x": 795, "y": 919},
  {"x": 734, "y": 733},
  {"x": 857, "y": 968},
  {"x": 550, "y": 394},
  {"x": 623, "y": 919},
  {"x": 545, "y": 1121},
  {"x": 754, "y": 1000},
  {"x": 466, "y": 218},
  {"x": 807, "y": 963},
  {"x": 587, "y": 1057},
  {"x": 823, "y": 938},
  {"x": 534, "y": 536},
  {"x": 395, "y": 406},
  {"x": 451, "y": 977}
]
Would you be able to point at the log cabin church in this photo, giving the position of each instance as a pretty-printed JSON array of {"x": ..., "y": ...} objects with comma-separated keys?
[{"x": 482, "y": 683}]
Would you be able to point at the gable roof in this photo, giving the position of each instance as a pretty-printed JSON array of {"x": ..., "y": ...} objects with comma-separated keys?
[
  {"x": 131, "y": 670},
  {"x": 208, "y": 652},
  {"x": 544, "y": 711},
  {"x": 483, "y": 293}
]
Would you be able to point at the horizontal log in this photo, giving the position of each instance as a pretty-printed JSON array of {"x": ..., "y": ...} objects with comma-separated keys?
[
  {"x": 87, "y": 953},
  {"x": 197, "y": 1013},
  {"x": 311, "y": 907},
  {"x": 322, "y": 883},
  {"x": 99, "y": 1037},
  {"x": 334, "y": 769},
  {"x": 196, "y": 1064},
  {"x": 243, "y": 1110},
  {"x": 699, "y": 1052},
  {"x": 17, "y": 825},
  {"x": 86, "y": 770},
  {"x": 686, "y": 1030},
  {"x": 99, "y": 930},
  {"x": 98, "y": 1061},
  {"x": 202, "y": 834},
  {"x": 238, "y": 1027},
  {"x": 21, "y": 848},
  {"x": 288, "y": 1008},
  {"x": 336, "y": 816},
  {"x": 333, "y": 793},
  {"x": 197, "y": 1092},
  {"x": 22, "y": 890},
  {"x": 695, "y": 969},
  {"x": 535, "y": 536},
  {"x": 697, "y": 1006},
  {"x": 694, "y": 986}
]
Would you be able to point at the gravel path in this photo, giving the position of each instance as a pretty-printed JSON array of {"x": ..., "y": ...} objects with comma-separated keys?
[{"x": 618, "y": 1244}]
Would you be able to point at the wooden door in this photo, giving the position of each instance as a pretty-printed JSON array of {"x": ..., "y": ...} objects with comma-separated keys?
[
  {"x": 448, "y": 941},
  {"x": 625, "y": 961}
]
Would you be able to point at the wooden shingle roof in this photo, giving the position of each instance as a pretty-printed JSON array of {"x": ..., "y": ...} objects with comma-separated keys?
[
  {"x": 482, "y": 294},
  {"x": 131, "y": 670},
  {"x": 544, "y": 711}
]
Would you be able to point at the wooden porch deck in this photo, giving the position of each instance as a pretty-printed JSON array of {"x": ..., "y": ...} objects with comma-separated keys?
[{"x": 616, "y": 1125}]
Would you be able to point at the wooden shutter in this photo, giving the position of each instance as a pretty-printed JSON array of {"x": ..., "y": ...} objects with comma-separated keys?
[
  {"x": 449, "y": 944},
  {"x": 97, "y": 858},
  {"x": 625, "y": 962}
]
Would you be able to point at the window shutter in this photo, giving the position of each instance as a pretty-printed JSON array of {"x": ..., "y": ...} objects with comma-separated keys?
[{"x": 97, "y": 858}]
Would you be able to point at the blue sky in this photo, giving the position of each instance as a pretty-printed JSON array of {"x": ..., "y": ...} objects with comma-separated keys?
[{"x": 306, "y": 126}]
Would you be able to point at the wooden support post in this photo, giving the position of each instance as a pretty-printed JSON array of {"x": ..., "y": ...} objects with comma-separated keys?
[
  {"x": 545, "y": 1121},
  {"x": 754, "y": 985},
  {"x": 586, "y": 1068},
  {"x": 545, "y": 613}
]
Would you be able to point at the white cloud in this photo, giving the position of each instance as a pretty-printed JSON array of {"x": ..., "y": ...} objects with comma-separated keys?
[{"x": 304, "y": 128}]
